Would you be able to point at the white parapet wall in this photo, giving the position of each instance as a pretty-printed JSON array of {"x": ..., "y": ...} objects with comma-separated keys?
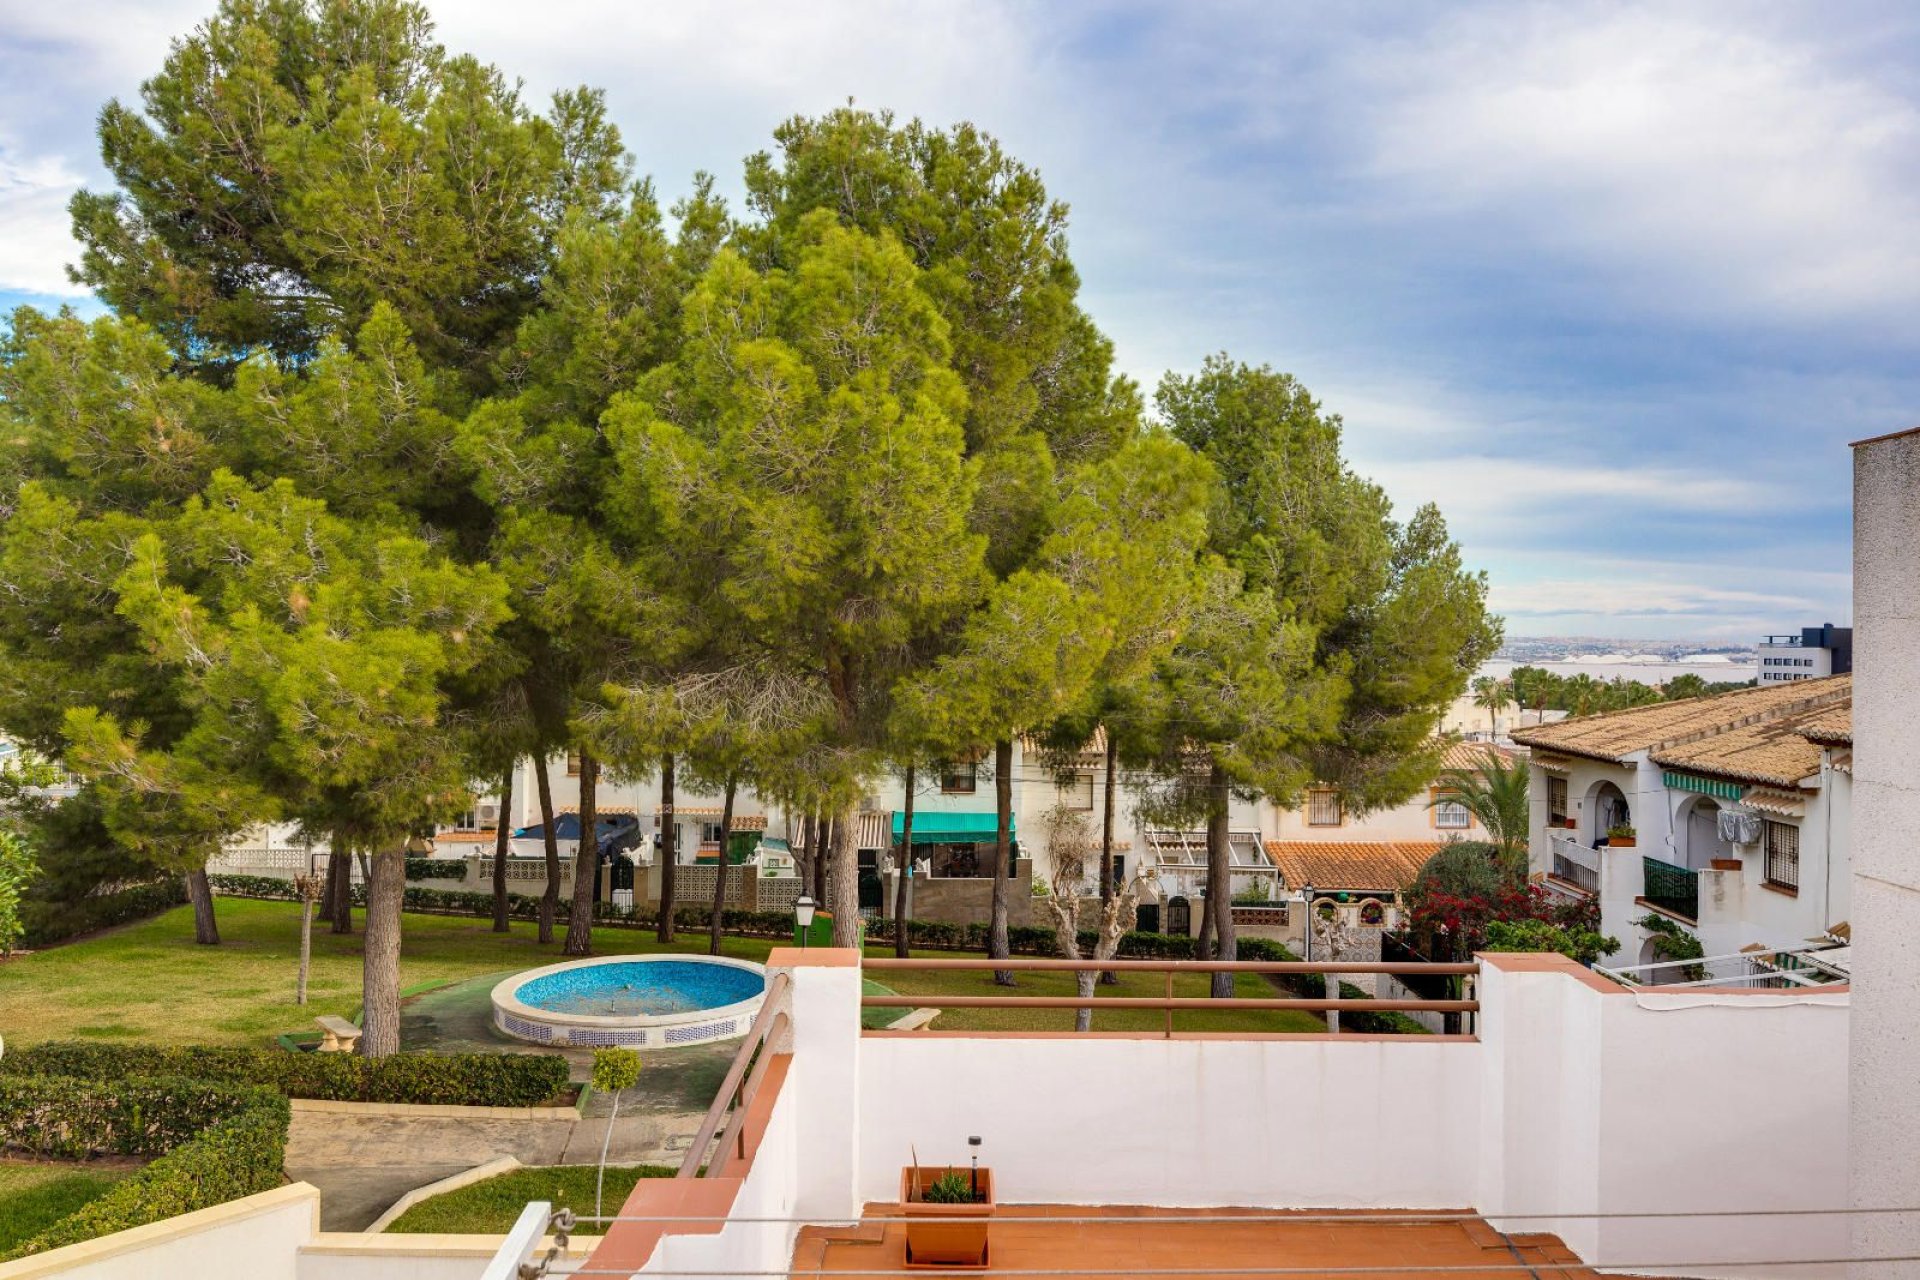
[
  {"x": 1670, "y": 1134},
  {"x": 255, "y": 1238},
  {"x": 1332, "y": 1122}
]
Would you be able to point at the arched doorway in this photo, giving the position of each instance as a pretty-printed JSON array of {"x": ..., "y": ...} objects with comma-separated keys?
[
  {"x": 1701, "y": 842},
  {"x": 1179, "y": 917},
  {"x": 1606, "y": 809}
]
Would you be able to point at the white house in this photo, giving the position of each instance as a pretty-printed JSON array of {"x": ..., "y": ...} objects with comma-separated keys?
[{"x": 1732, "y": 815}]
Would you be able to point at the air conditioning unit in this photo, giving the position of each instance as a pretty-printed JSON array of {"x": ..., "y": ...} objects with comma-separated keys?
[{"x": 487, "y": 813}]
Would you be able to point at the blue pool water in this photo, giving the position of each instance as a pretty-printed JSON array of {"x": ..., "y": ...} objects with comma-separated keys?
[{"x": 653, "y": 987}]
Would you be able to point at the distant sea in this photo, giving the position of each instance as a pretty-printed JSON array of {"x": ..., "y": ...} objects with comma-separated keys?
[{"x": 1647, "y": 670}]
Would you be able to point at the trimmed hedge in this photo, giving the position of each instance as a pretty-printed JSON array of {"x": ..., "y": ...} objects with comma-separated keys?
[
  {"x": 436, "y": 869},
  {"x": 449, "y": 1079},
  {"x": 50, "y": 922},
  {"x": 215, "y": 1143}
]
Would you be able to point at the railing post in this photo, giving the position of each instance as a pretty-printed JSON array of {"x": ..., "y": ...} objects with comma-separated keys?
[
  {"x": 1169, "y": 1007},
  {"x": 1333, "y": 993}
]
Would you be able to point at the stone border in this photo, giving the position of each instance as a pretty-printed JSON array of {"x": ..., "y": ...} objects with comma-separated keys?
[
  {"x": 429, "y": 1111},
  {"x": 452, "y": 1182},
  {"x": 701, "y": 1026}
]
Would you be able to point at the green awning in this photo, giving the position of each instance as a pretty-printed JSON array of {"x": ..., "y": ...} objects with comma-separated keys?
[
  {"x": 952, "y": 828},
  {"x": 1705, "y": 786}
]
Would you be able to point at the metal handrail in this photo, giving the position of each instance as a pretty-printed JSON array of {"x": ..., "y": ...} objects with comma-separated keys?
[
  {"x": 1178, "y": 966},
  {"x": 734, "y": 1093},
  {"x": 1331, "y": 1004}
]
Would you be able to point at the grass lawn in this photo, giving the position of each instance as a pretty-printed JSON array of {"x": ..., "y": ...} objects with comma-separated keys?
[
  {"x": 35, "y": 1196},
  {"x": 150, "y": 982},
  {"x": 492, "y": 1206}
]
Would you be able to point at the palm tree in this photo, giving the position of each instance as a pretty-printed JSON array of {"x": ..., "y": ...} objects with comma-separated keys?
[
  {"x": 1492, "y": 695},
  {"x": 1494, "y": 791}
]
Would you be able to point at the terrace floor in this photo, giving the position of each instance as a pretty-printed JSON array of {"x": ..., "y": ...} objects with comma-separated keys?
[{"x": 1130, "y": 1242}]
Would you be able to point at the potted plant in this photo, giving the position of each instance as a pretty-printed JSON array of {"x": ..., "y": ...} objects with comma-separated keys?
[
  {"x": 947, "y": 1209},
  {"x": 1572, "y": 824},
  {"x": 1621, "y": 836}
]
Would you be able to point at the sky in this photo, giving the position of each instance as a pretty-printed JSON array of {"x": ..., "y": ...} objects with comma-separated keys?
[{"x": 1614, "y": 284}]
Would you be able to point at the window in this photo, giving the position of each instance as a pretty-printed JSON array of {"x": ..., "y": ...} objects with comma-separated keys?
[
  {"x": 573, "y": 764},
  {"x": 1557, "y": 800},
  {"x": 960, "y": 776},
  {"x": 1783, "y": 856},
  {"x": 1448, "y": 813},
  {"x": 1323, "y": 807},
  {"x": 1076, "y": 791}
]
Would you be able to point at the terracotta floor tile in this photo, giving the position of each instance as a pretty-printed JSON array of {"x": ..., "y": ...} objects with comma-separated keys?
[{"x": 1126, "y": 1241}]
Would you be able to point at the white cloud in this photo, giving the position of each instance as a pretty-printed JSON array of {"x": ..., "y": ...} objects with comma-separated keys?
[
  {"x": 37, "y": 245},
  {"x": 1721, "y": 167}
]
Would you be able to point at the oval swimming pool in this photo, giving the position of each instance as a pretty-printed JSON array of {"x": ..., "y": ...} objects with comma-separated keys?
[{"x": 637, "y": 1001}]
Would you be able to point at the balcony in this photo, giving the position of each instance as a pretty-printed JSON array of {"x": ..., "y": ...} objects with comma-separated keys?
[
  {"x": 1575, "y": 864},
  {"x": 1673, "y": 890}
]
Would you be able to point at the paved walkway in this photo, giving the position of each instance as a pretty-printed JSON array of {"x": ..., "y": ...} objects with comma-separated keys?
[{"x": 362, "y": 1164}]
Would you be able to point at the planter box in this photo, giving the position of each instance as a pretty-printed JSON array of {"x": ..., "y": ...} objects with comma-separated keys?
[
  {"x": 961, "y": 1242},
  {"x": 1622, "y": 842},
  {"x": 1726, "y": 864}
]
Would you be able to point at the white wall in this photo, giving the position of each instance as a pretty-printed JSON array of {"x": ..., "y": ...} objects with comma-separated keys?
[
  {"x": 1885, "y": 906},
  {"x": 255, "y": 1238},
  {"x": 768, "y": 1191},
  {"x": 1266, "y": 1123}
]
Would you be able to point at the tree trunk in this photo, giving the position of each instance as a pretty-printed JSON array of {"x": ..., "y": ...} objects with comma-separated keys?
[
  {"x": 340, "y": 883},
  {"x": 720, "y": 879},
  {"x": 586, "y": 860},
  {"x": 1083, "y": 1017},
  {"x": 843, "y": 882},
  {"x": 669, "y": 850},
  {"x": 997, "y": 945},
  {"x": 1203, "y": 941},
  {"x": 502, "y": 850},
  {"x": 823, "y": 863},
  {"x": 906, "y": 868},
  {"x": 380, "y": 969},
  {"x": 306, "y": 950},
  {"x": 1220, "y": 879},
  {"x": 803, "y": 855},
  {"x": 1109, "y": 977},
  {"x": 206, "y": 930},
  {"x": 549, "y": 896}
]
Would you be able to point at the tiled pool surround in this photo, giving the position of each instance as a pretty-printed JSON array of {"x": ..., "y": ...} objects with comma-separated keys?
[{"x": 635, "y": 1001}]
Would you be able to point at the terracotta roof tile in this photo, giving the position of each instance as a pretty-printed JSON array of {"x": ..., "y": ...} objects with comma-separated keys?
[
  {"x": 1351, "y": 864},
  {"x": 1835, "y": 726},
  {"x": 1617, "y": 735},
  {"x": 1468, "y": 755},
  {"x": 1776, "y": 752}
]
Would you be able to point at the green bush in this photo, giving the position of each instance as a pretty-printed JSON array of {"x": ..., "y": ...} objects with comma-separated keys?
[
  {"x": 436, "y": 869},
  {"x": 48, "y": 922},
  {"x": 215, "y": 1143},
  {"x": 449, "y": 1079},
  {"x": 144, "y": 1114}
]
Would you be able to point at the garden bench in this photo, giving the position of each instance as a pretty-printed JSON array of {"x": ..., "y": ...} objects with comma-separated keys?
[{"x": 337, "y": 1034}]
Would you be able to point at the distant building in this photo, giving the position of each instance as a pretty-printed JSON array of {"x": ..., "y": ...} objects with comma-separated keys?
[{"x": 1813, "y": 654}]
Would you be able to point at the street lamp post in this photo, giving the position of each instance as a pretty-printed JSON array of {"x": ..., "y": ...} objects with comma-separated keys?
[
  {"x": 1306, "y": 917},
  {"x": 803, "y": 916}
]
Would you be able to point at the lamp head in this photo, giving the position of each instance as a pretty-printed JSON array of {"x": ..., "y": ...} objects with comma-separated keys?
[{"x": 803, "y": 910}]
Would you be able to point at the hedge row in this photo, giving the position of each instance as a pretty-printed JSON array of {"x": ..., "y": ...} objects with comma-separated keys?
[
  {"x": 215, "y": 1143},
  {"x": 436, "y": 869},
  {"x": 50, "y": 922},
  {"x": 146, "y": 1114},
  {"x": 451, "y": 1079}
]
